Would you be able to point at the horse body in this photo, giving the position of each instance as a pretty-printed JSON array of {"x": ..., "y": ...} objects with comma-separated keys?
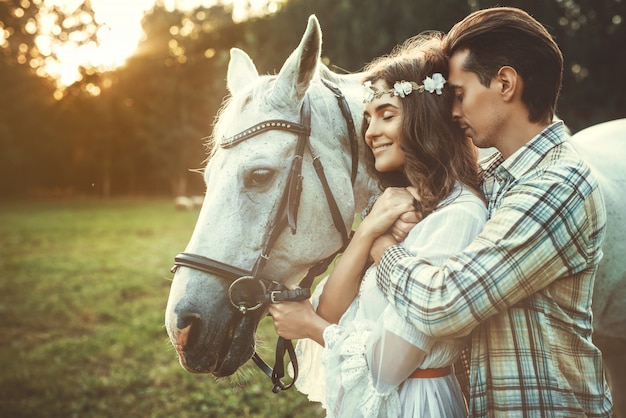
[
  {"x": 245, "y": 182},
  {"x": 603, "y": 147}
]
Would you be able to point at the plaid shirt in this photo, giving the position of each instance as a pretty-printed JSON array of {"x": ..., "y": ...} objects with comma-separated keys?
[{"x": 523, "y": 288}]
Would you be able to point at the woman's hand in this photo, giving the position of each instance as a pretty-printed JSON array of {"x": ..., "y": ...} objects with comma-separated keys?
[
  {"x": 296, "y": 320},
  {"x": 394, "y": 212},
  {"x": 401, "y": 227}
]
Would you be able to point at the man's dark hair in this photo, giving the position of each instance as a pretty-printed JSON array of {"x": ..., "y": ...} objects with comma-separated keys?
[{"x": 507, "y": 36}]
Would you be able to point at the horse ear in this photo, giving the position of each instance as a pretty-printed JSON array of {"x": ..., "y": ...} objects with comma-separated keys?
[
  {"x": 241, "y": 71},
  {"x": 296, "y": 74}
]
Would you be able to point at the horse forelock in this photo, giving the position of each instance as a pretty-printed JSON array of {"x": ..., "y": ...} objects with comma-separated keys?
[
  {"x": 256, "y": 103},
  {"x": 231, "y": 111}
]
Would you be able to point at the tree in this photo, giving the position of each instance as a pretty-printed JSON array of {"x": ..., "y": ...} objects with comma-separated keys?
[
  {"x": 138, "y": 129},
  {"x": 25, "y": 105}
]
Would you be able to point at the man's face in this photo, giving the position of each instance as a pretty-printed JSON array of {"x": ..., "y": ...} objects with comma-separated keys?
[{"x": 477, "y": 109}]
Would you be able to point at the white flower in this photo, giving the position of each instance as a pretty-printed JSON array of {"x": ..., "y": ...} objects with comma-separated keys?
[
  {"x": 434, "y": 84},
  {"x": 368, "y": 92},
  {"x": 402, "y": 88}
]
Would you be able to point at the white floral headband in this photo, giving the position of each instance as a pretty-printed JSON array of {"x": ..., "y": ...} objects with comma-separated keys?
[{"x": 402, "y": 88}]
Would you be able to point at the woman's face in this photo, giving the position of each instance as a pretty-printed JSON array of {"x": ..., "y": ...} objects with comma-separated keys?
[{"x": 383, "y": 117}]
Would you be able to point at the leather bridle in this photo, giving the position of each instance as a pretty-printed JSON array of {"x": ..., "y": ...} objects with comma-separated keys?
[{"x": 249, "y": 290}]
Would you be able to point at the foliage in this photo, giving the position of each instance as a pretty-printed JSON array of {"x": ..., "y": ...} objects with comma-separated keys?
[
  {"x": 141, "y": 133},
  {"x": 82, "y": 300}
]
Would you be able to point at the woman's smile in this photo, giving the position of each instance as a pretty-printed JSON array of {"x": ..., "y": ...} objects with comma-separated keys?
[{"x": 381, "y": 148}]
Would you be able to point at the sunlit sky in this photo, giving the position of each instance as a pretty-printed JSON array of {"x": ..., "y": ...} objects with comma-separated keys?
[{"x": 119, "y": 34}]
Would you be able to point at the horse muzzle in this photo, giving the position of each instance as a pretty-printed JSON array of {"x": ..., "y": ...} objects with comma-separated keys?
[
  {"x": 209, "y": 334},
  {"x": 218, "y": 347}
]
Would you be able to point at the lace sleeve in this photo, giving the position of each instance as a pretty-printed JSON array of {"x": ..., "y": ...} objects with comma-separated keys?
[
  {"x": 350, "y": 387},
  {"x": 365, "y": 363},
  {"x": 312, "y": 379}
]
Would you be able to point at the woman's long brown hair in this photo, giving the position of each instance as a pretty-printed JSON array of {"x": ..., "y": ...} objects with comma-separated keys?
[{"x": 437, "y": 154}]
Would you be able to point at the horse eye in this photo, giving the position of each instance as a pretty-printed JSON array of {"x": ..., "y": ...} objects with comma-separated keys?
[{"x": 258, "y": 178}]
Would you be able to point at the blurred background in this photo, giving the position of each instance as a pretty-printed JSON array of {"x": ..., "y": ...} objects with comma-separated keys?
[
  {"x": 111, "y": 98},
  {"x": 103, "y": 107}
]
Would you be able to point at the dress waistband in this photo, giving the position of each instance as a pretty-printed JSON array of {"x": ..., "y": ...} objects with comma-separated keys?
[{"x": 431, "y": 373}]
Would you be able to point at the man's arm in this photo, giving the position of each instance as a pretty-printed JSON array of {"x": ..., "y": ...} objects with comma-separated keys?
[{"x": 540, "y": 233}]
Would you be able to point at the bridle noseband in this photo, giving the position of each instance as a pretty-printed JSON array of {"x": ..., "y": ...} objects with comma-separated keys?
[{"x": 249, "y": 290}]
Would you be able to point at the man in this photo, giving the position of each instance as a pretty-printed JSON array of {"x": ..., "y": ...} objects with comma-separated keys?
[{"x": 523, "y": 287}]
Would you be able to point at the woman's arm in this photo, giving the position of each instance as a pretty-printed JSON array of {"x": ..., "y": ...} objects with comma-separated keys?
[{"x": 343, "y": 284}]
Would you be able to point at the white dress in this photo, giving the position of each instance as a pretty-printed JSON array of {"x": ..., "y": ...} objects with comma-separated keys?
[{"x": 370, "y": 354}]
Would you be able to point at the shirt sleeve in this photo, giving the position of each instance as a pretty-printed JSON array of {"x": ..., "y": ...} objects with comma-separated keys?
[{"x": 544, "y": 228}]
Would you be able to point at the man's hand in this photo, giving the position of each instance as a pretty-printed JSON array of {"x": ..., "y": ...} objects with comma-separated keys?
[{"x": 400, "y": 229}]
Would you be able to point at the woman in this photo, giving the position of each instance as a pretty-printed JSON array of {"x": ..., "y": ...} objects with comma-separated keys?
[{"x": 375, "y": 362}]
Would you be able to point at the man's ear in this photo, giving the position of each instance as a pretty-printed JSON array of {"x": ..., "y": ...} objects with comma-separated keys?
[{"x": 510, "y": 82}]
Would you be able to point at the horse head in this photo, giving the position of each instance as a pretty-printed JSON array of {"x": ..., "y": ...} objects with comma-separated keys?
[{"x": 254, "y": 222}]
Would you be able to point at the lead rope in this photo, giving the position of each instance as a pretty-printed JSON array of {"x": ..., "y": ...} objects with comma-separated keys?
[{"x": 283, "y": 345}]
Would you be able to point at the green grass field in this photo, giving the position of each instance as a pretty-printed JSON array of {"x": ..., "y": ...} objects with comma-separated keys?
[{"x": 82, "y": 297}]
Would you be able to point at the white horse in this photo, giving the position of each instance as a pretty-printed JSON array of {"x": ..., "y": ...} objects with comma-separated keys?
[{"x": 247, "y": 178}]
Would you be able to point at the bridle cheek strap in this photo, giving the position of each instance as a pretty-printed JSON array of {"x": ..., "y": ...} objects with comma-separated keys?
[
  {"x": 287, "y": 211},
  {"x": 332, "y": 203},
  {"x": 294, "y": 185}
]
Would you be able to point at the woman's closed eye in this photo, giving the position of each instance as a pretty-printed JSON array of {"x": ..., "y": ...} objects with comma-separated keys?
[{"x": 388, "y": 115}]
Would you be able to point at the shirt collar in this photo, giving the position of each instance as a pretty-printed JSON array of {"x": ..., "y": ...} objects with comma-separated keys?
[{"x": 527, "y": 157}]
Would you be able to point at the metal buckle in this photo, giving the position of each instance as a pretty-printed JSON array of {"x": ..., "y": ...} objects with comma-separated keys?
[{"x": 272, "y": 296}]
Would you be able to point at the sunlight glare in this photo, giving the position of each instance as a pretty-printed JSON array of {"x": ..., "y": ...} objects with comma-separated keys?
[
  {"x": 117, "y": 37},
  {"x": 116, "y": 28}
]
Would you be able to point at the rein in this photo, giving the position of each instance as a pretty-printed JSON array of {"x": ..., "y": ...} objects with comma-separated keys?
[{"x": 249, "y": 290}]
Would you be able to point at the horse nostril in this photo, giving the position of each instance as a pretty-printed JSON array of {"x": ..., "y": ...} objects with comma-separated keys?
[{"x": 189, "y": 327}]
